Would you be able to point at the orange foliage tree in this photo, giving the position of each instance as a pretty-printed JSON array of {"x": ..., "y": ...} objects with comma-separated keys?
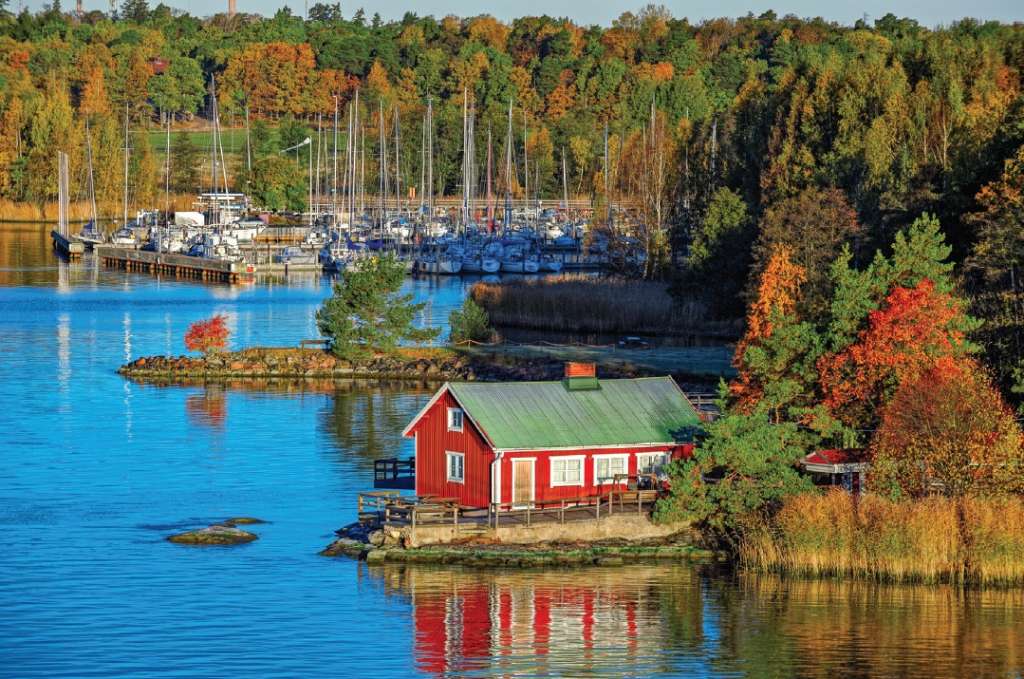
[
  {"x": 778, "y": 292},
  {"x": 917, "y": 329},
  {"x": 947, "y": 430},
  {"x": 207, "y": 335}
]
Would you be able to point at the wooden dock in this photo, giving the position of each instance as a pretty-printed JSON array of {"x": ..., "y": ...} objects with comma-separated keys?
[
  {"x": 182, "y": 266},
  {"x": 67, "y": 246}
]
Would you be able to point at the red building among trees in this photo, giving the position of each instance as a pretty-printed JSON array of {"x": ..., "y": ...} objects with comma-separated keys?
[{"x": 524, "y": 444}]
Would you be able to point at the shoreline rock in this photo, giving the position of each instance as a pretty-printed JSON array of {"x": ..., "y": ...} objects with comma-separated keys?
[
  {"x": 387, "y": 546},
  {"x": 518, "y": 556}
]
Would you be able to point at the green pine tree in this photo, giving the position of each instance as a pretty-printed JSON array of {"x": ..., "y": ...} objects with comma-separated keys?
[{"x": 367, "y": 315}]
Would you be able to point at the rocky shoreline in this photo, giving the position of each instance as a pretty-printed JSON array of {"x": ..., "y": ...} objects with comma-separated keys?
[
  {"x": 390, "y": 545},
  {"x": 541, "y": 555},
  {"x": 437, "y": 365}
]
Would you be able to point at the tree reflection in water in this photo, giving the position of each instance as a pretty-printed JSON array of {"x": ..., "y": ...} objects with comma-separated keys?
[
  {"x": 209, "y": 407},
  {"x": 674, "y": 619},
  {"x": 366, "y": 418}
]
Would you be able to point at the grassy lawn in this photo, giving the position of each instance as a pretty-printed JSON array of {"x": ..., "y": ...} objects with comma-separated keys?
[
  {"x": 707, "y": 362},
  {"x": 233, "y": 139}
]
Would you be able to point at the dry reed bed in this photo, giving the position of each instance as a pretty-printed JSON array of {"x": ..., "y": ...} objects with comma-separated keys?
[
  {"x": 935, "y": 539},
  {"x": 11, "y": 211},
  {"x": 576, "y": 304}
]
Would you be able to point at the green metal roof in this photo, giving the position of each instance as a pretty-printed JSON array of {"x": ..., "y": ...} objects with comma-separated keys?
[{"x": 544, "y": 415}]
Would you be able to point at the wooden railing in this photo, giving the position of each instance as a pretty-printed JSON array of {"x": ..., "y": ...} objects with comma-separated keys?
[
  {"x": 394, "y": 473},
  {"x": 624, "y": 493}
]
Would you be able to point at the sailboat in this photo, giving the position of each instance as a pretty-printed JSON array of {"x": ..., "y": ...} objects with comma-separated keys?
[
  {"x": 124, "y": 236},
  {"x": 90, "y": 233}
]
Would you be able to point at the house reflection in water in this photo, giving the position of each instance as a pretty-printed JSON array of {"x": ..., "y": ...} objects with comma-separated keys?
[{"x": 598, "y": 620}]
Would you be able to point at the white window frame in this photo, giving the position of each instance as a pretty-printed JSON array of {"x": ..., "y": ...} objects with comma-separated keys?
[
  {"x": 666, "y": 458},
  {"x": 581, "y": 459},
  {"x": 448, "y": 456},
  {"x": 462, "y": 419},
  {"x": 621, "y": 456}
]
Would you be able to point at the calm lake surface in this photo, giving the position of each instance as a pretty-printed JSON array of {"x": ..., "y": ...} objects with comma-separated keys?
[{"x": 96, "y": 471}]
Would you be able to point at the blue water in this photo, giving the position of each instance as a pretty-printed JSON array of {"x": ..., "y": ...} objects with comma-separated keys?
[{"x": 96, "y": 471}]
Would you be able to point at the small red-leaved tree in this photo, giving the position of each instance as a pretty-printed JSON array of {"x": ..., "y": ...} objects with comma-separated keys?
[
  {"x": 206, "y": 336},
  {"x": 947, "y": 430}
]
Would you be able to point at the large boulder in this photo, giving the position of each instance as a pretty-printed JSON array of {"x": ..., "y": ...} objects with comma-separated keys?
[{"x": 214, "y": 535}]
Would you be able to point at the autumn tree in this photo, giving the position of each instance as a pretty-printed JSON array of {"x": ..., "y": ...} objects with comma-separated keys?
[
  {"x": 995, "y": 267},
  {"x": 52, "y": 129},
  {"x": 775, "y": 359},
  {"x": 814, "y": 225},
  {"x": 947, "y": 430},
  {"x": 208, "y": 335},
  {"x": 916, "y": 330}
]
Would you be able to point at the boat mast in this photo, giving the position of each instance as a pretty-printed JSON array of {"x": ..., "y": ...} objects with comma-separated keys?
[
  {"x": 565, "y": 186},
  {"x": 319, "y": 153},
  {"x": 430, "y": 161},
  {"x": 167, "y": 184},
  {"x": 348, "y": 163},
  {"x": 382, "y": 155},
  {"x": 526, "y": 168},
  {"x": 465, "y": 159},
  {"x": 607, "y": 169},
  {"x": 490, "y": 210},
  {"x": 423, "y": 161},
  {"x": 362, "y": 170},
  {"x": 398, "y": 166},
  {"x": 248, "y": 142},
  {"x": 124, "y": 222},
  {"x": 334, "y": 193},
  {"x": 92, "y": 183},
  {"x": 508, "y": 172}
]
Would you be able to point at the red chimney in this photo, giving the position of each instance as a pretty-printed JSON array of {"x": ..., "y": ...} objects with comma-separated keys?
[{"x": 573, "y": 369}]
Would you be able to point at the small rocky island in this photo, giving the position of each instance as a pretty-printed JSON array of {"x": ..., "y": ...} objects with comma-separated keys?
[
  {"x": 430, "y": 365},
  {"x": 224, "y": 533}
]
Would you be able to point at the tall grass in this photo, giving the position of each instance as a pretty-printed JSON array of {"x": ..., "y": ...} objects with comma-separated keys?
[
  {"x": 11, "y": 211},
  {"x": 934, "y": 539},
  {"x": 580, "y": 304}
]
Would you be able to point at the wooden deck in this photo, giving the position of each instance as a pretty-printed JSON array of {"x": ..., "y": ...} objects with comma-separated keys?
[{"x": 392, "y": 509}]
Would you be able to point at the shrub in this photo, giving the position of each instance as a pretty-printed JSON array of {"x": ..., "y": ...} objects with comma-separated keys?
[
  {"x": 470, "y": 322},
  {"x": 208, "y": 335}
]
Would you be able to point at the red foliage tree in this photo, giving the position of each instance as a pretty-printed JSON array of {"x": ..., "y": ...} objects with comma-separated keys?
[
  {"x": 917, "y": 329},
  {"x": 208, "y": 335},
  {"x": 947, "y": 430}
]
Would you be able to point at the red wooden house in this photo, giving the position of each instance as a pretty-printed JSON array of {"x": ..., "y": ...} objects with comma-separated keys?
[{"x": 529, "y": 443}]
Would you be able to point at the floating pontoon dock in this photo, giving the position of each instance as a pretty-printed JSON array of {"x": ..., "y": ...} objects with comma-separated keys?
[{"x": 183, "y": 266}]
